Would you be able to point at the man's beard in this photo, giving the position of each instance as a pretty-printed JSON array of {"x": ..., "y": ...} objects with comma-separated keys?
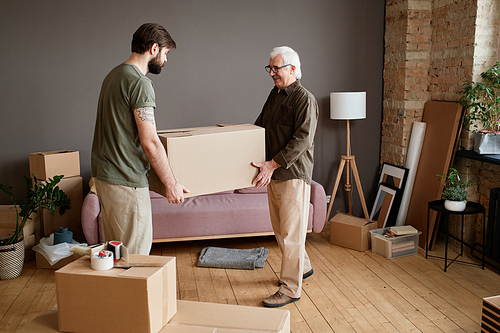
[{"x": 155, "y": 65}]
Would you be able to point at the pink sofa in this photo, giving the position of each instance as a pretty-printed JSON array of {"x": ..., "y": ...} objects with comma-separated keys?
[{"x": 238, "y": 213}]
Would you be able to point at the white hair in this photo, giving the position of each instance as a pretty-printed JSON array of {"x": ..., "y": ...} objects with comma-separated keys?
[{"x": 289, "y": 57}]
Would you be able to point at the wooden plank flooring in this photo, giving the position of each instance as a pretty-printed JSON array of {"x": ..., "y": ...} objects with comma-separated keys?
[{"x": 350, "y": 291}]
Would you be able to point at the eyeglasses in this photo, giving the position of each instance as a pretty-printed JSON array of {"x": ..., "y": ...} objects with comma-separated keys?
[{"x": 275, "y": 69}]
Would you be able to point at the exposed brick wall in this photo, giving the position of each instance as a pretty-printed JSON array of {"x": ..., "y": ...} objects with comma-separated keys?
[
  {"x": 452, "y": 48},
  {"x": 406, "y": 74},
  {"x": 432, "y": 47}
]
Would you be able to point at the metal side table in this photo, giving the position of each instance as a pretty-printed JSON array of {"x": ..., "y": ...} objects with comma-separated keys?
[{"x": 471, "y": 209}]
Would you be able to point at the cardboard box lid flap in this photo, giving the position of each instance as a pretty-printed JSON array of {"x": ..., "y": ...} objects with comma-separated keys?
[
  {"x": 351, "y": 220},
  {"x": 207, "y": 130},
  {"x": 82, "y": 267},
  {"x": 53, "y": 152},
  {"x": 140, "y": 272}
]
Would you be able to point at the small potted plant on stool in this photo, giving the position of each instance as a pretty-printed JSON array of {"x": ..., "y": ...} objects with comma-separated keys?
[{"x": 455, "y": 190}]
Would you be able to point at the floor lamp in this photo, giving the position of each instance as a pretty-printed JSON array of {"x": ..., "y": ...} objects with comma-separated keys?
[{"x": 348, "y": 106}]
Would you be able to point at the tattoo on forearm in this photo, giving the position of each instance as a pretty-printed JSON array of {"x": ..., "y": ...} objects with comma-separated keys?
[{"x": 146, "y": 114}]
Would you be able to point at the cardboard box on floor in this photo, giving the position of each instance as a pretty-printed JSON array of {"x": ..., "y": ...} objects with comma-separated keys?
[
  {"x": 212, "y": 159},
  {"x": 73, "y": 187},
  {"x": 136, "y": 300},
  {"x": 41, "y": 262},
  {"x": 45, "y": 165},
  {"x": 351, "y": 232},
  {"x": 199, "y": 317}
]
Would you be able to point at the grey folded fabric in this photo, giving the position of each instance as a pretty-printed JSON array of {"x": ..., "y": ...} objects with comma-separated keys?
[{"x": 219, "y": 257}]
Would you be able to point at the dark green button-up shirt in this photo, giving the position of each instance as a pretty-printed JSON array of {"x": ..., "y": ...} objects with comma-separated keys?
[{"x": 290, "y": 117}]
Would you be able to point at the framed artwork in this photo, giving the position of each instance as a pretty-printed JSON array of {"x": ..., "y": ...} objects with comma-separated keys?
[
  {"x": 393, "y": 175},
  {"x": 384, "y": 204}
]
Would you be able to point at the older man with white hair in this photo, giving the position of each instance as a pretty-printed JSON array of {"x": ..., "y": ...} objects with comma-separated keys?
[{"x": 289, "y": 116}]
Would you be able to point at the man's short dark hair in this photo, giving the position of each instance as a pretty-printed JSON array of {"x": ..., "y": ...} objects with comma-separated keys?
[{"x": 148, "y": 34}]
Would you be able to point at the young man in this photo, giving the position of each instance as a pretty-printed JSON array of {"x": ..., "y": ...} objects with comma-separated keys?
[
  {"x": 289, "y": 116},
  {"x": 126, "y": 144}
]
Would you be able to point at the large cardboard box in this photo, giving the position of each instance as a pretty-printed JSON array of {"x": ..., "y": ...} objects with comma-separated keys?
[
  {"x": 199, "y": 317},
  {"x": 351, "y": 232},
  {"x": 45, "y": 165},
  {"x": 73, "y": 187},
  {"x": 136, "y": 300},
  {"x": 212, "y": 159},
  {"x": 490, "y": 320}
]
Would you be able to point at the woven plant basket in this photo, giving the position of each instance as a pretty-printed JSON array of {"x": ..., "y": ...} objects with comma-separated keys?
[{"x": 11, "y": 260}]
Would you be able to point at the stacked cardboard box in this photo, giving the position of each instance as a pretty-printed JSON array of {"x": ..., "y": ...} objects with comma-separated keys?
[
  {"x": 46, "y": 165},
  {"x": 143, "y": 299},
  {"x": 31, "y": 231}
]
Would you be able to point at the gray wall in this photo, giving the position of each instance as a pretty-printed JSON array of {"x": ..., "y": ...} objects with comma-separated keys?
[{"x": 56, "y": 53}]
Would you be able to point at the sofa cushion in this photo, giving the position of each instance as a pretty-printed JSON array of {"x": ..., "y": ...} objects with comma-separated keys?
[{"x": 213, "y": 215}]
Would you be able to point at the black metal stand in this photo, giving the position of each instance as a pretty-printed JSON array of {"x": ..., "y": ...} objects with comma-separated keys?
[{"x": 471, "y": 209}]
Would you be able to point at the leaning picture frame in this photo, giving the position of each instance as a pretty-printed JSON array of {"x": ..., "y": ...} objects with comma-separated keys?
[
  {"x": 384, "y": 203},
  {"x": 393, "y": 175}
]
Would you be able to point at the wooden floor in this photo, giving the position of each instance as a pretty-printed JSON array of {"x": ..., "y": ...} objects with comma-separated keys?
[{"x": 350, "y": 291}]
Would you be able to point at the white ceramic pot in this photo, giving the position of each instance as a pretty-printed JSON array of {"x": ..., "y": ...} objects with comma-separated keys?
[{"x": 455, "y": 206}]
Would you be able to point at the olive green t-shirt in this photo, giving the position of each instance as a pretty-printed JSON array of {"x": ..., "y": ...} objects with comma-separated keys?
[{"x": 117, "y": 155}]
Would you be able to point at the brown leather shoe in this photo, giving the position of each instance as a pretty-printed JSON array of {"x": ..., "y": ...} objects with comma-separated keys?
[{"x": 278, "y": 299}]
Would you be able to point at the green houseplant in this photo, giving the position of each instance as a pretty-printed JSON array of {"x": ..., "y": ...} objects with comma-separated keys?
[
  {"x": 45, "y": 195},
  {"x": 482, "y": 103},
  {"x": 455, "y": 190}
]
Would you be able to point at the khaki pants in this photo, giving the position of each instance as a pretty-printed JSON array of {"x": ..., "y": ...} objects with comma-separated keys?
[
  {"x": 126, "y": 215},
  {"x": 289, "y": 210}
]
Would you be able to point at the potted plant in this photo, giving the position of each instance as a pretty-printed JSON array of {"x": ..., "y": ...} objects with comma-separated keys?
[
  {"x": 482, "y": 103},
  {"x": 38, "y": 196},
  {"x": 455, "y": 190}
]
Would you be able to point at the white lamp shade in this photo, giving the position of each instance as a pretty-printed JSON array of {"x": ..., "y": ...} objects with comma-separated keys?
[{"x": 348, "y": 105}]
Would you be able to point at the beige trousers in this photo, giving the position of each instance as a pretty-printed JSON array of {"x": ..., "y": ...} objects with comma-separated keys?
[
  {"x": 126, "y": 215},
  {"x": 289, "y": 210}
]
